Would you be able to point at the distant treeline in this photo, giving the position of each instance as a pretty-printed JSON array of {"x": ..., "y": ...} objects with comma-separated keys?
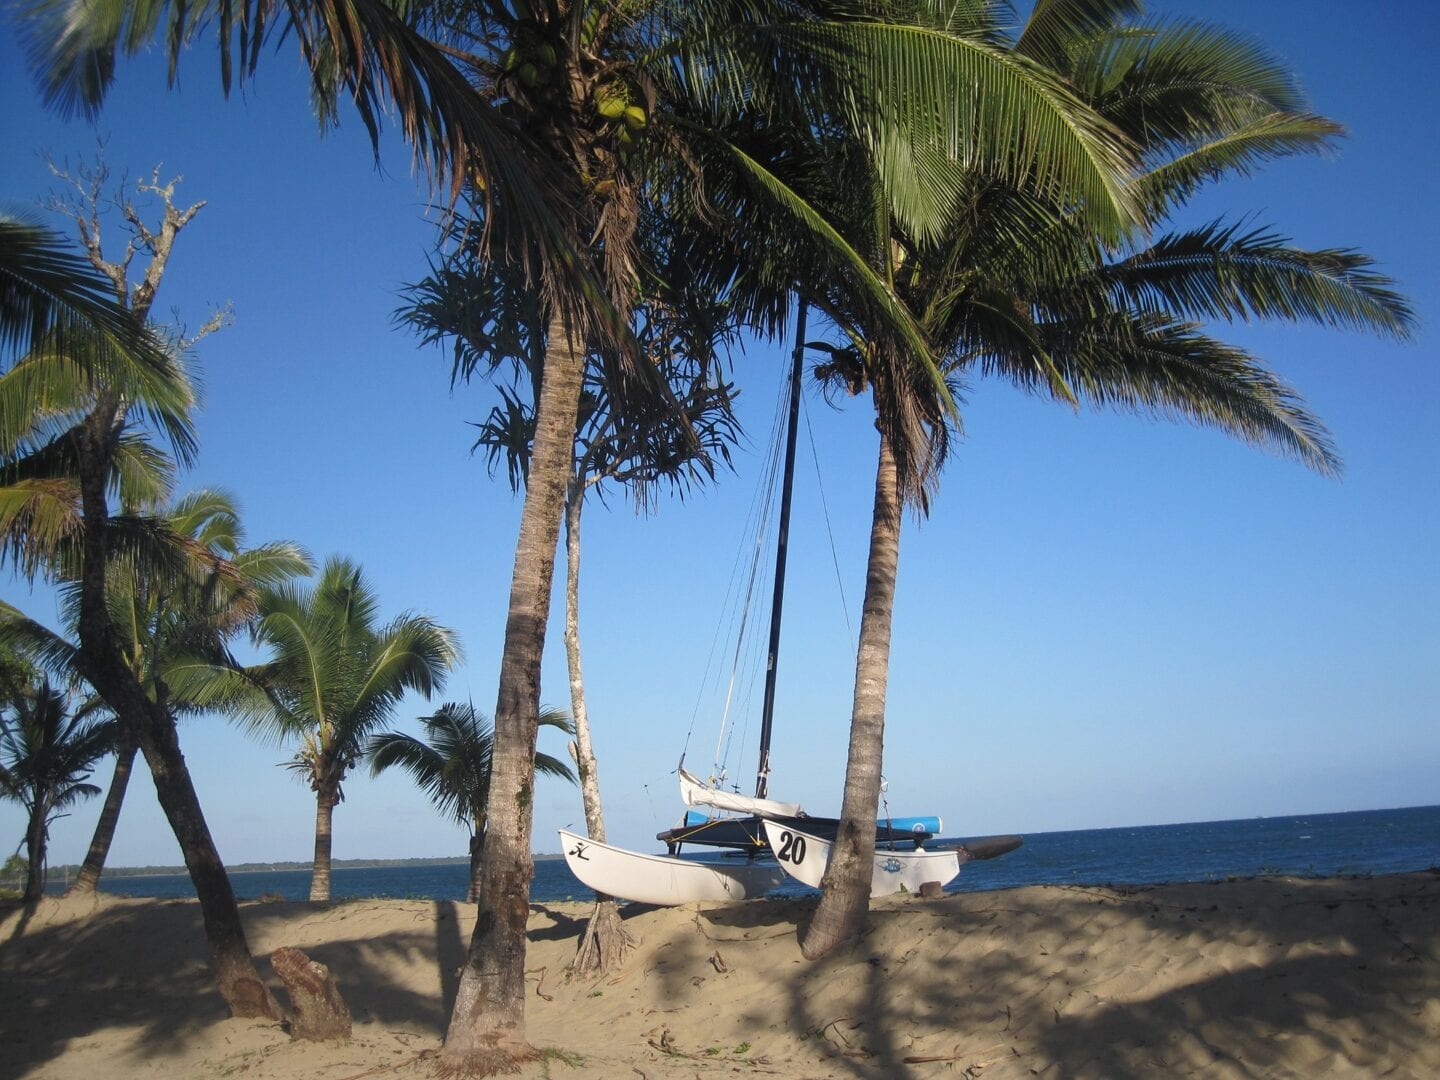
[{"x": 64, "y": 873}]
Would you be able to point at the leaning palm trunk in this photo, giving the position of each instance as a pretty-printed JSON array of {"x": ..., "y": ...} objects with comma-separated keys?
[
  {"x": 487, "y": 1028},
  {"x": 846, "y": 886},
  {"x": 87, "y": 881},
  {"x": 606, "y": 940},
  {"x": 149, "y": 724},
  {"x": 239, "y": 982},
  {"x": 325, "y": 800}
]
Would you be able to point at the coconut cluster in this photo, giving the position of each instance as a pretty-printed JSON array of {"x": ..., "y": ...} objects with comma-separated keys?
[
  {"x": 614, "y": 103},
  {"x": 532, "y": 59}
]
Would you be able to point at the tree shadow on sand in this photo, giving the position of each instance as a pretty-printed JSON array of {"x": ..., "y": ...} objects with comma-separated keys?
[
  {"x": 145, "y": 966},
  {"x": 1280, "y": 977},
  {"x": 1277, "y": 978}
]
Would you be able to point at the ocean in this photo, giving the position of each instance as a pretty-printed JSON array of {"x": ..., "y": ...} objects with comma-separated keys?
[{"x": 1307, "y": 845}]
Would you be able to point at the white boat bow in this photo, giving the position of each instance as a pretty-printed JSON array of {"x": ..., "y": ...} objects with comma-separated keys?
[
  {"x": 663, "y": 879},
  {"x": 805, "y": 857}
]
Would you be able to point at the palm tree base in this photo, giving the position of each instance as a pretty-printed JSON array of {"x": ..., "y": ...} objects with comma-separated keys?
[
  {"x": 250, "y": 999},
  {"x": 838, "y": 919},
  {"x": 606, "y": 941},
  {"x": 494, "y": 1061}
]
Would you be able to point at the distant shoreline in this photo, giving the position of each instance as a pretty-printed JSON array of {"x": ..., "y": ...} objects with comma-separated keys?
[{"x": 63, "y": 873}]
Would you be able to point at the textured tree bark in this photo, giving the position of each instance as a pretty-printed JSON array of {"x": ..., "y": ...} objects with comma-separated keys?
[
  {"x": 88, "y": 879},
  {"x": 318, "y": 1011},
  {"x": 477, "y": 856},
  {"x": 320, "y": 870},
  {"x": 606, "y": 941},
  {"x": 845, "y": 889},
  {"x": 239, "y": 982},
  {"x": 487, "y": 1028}
]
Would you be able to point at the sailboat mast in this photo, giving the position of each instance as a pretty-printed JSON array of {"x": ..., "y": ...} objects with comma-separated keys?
[{"x": 777, "y": 602}]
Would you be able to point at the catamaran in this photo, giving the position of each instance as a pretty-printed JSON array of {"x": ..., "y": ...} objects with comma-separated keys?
[{"x": 754, "y": 827}]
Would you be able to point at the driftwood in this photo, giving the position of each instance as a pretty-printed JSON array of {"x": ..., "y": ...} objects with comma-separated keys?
[{"x": 319, "y": 1012}]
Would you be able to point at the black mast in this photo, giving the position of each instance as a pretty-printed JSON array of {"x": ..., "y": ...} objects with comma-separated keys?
[{"x": 777, "y": 603}]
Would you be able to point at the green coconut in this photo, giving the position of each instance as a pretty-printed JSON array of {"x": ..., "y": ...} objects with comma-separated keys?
[{"x": 610, "y": 104}]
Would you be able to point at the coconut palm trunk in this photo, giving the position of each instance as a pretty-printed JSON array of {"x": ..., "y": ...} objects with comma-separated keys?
[
  {"x": 487, "y": 1028},
  {"x": 606, "y": 940},
  {"x": 87, "y": 881},
  {"x": 235, "y": 972},
  {"x": 477, "y": 858},
  {"x": 846, "y": 885},
  {"x": 149, "y": 724},
  {"x": 325, "y": 799},
  {"x": 35, "y": 853}
]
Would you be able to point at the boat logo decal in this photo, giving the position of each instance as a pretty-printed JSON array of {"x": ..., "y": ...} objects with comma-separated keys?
[
  {"x": 579, "y": 851},
  {"x": 891, "y": 866}
]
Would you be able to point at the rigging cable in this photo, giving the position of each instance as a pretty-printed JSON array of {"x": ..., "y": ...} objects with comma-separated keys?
[
  {"x": 767, "y": 496},
  {"x": 830, "y": 534},
  {"x": 757, "y": 525}
]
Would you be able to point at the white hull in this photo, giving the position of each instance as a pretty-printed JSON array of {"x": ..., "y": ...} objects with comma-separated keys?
[
  {"x": 805, "y": 858},
  {"x": 661, "y": 879}
]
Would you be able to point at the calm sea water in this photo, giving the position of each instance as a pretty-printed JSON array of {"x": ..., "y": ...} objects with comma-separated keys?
[{"x": 1314, "y": 845}]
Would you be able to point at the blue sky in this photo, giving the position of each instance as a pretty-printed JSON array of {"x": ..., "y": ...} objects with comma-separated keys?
[{"x": 1106, "y": 620}]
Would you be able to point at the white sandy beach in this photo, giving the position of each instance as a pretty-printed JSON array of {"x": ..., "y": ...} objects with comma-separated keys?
[{"x": 1266, "y": 978}]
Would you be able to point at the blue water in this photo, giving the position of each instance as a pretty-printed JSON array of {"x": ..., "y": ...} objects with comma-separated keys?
[{"x": 1313, "y": 845}]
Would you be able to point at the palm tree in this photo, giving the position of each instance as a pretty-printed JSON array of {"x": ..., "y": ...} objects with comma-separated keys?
[
  {"x": 46, "y": 755},
  {"x": 453, "y": 767},
  {"x": 46, "y": 294},
  {"x": 678, "y": 439},
  {"x": 561, "y": 112},
  {"x": 172, "y": 627},
  {"x": 69, "y": 439},
  {"x": 1021, "y": 289},
  {"x": 334, "y": 676}
]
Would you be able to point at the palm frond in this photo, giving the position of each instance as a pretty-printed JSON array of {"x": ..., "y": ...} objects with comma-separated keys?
[
  {"x": 38, "y": 643},
  {"x": 1237, "y": 152},
  {"x": 1005, "y": 116},
  {"x": 453, "y": 767},
  {"x": 39, "y": 520},
  {"x": 1218, "y": 271},
  {"x": 51, "y": 298},
  {"x": 428, "y": 767},
  {"x": 1174, "y": 82},
  {"x": 1163, "y": 367}
]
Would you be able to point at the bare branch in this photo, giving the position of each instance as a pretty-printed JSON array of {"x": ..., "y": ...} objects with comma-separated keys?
[
  {"x": 219, "y": 319},
  {"x": 158, "y": 244},
  {"x": 84, "y": 208}
]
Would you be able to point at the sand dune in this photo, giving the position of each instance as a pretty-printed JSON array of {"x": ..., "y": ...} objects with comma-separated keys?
[{"x": 1268, "y": 978}]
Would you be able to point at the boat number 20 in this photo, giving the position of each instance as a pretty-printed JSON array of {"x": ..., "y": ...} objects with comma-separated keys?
[{"x": 792, "y": 848}]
